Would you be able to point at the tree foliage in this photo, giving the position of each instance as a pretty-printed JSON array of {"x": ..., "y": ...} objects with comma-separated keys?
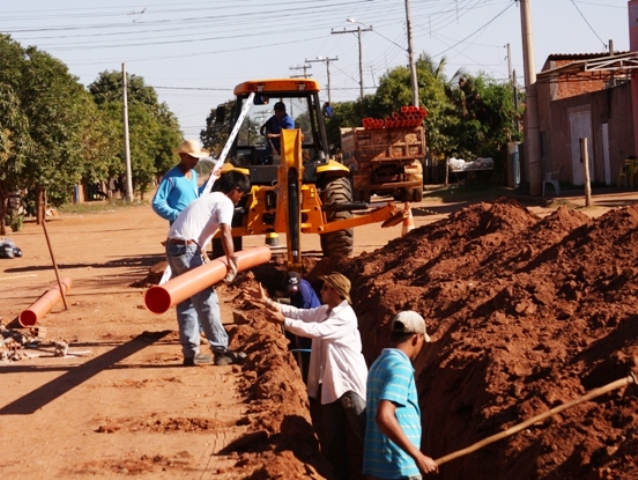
[
  {"x": 54, "y": 134},
  {"x": 153, "y": 128},
  {"x": 42, "y": 117},
  {"x": 485, "y": 112},
  {"x": 468, "y": 116},
  {"x": 217, "y": 130}
]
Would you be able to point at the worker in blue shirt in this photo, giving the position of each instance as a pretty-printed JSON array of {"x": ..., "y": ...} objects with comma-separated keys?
[
  {"x": 302, "y": 295},
  {"x": 272, "y": 131},
  {"x": 179, "y": 186}
]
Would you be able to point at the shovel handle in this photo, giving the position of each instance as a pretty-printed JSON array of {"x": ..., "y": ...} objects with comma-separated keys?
[{"x": 629, "y": 379}]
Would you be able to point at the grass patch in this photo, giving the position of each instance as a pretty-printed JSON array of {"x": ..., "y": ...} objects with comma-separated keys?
[{"x": 99, "y": 206}]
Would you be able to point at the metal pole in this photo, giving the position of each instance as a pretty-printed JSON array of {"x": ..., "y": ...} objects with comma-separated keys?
[
  {"x": 55, "y": 265},
  {"x": 359, "y": 30},
  {"x": 360, "y": 63},
  {"x": 329, "y": 95},
  {"x": 531, "y": 128},
  {"x": 509, "y": 61},
  {"x": 127, "y": 148},
  {"x": 327, "y": 61},
  {"x": 413, "y": 77}
]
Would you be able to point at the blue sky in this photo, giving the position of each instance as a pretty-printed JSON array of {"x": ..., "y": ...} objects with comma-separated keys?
[{"x": 195, "y": 52}]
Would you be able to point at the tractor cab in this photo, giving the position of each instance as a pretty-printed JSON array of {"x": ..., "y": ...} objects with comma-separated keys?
[
  {"x": 295, "y": 188},
  {"x": 254, "y": 151}
]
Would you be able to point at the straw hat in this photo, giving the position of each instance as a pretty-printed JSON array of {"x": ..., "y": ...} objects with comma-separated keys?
[
  {"x": 340, "y": 283},
  {"x": 192, "y": 148}
]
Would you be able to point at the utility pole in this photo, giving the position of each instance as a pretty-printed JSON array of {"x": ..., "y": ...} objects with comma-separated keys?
[
  {"x": 413, "y": 78},
  {"x": 509, "y": 61},
  {"x": 127, "y": 147},
  {"x": 512, "y": 76},
  {"x": 327, "y": 61},
  {"x": 531, "y": 129},
  {"x": 358, "y": 31},
  {"x": 517, "y": 123},
  {"x": 301, "y": 67}
]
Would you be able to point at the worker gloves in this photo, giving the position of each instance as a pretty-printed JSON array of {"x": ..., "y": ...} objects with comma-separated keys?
[{"x": 232, "y": 269}]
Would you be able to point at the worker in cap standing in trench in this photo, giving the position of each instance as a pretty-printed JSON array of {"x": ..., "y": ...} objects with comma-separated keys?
[
  {"x": 337, "y": 372},
  {"x": 393, "y": 428},
  {"x": 301, "y": 295}
]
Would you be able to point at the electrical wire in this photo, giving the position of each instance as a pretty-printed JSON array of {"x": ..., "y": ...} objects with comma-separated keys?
[{"x": 605, "y": 46}]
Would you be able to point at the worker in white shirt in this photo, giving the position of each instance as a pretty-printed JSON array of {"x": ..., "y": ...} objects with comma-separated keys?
[{"x": 336, "y": 343}]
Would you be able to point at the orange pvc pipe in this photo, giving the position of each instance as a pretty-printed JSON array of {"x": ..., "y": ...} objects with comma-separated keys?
[
  {"x": 43, "y": 305},
  {"x": 160, "y": 298}
]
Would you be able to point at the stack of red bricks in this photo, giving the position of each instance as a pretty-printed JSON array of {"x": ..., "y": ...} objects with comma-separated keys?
[{"x": 406, "y": 118}]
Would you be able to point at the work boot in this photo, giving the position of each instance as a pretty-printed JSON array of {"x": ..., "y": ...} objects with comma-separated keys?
[
  {"x": 229, "y": 358},
  {"x": 197, "y": 360}
]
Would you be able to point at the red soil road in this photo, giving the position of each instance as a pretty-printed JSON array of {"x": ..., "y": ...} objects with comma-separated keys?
[{"x": 525, "y": 312}]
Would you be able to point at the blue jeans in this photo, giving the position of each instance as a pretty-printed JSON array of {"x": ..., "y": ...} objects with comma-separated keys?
[
  {"x": 350, "y": 410},
  {"x": 203, "y": 305}
]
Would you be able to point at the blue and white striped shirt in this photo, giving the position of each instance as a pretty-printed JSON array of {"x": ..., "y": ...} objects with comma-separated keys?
[{"x": 391, "y": 377}]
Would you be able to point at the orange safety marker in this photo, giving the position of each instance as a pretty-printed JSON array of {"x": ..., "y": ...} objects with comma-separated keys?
[{"x": 408, "y": 221}]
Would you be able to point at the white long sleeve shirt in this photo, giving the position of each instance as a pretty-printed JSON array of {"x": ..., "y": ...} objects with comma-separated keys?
[{"x": 336, "y": 361}]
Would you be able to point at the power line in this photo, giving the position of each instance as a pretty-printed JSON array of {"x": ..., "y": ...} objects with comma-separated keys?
[{"x": 605, "y": 46}]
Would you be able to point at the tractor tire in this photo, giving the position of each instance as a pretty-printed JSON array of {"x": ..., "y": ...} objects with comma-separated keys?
[{"x": 338, "y": 191}]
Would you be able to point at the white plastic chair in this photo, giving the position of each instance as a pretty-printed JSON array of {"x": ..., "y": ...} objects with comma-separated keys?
[{"x": 552, "y": 179}]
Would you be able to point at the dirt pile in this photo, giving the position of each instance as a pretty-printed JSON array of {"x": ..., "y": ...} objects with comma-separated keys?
[
  {"x": 282, "y": 441},
  {"x": 526, "y": 314}
]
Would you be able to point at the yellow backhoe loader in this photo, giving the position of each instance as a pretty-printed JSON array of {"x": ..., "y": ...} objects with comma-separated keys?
[{"x": 296, "y": 187}]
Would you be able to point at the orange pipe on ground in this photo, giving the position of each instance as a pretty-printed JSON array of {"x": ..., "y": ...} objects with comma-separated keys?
[
  {"x": 160, "y": 298},
  {"x": 43, "y": 305}
]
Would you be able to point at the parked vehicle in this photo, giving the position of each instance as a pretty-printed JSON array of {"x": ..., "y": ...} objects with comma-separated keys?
[{"x": 385, "y": 161}]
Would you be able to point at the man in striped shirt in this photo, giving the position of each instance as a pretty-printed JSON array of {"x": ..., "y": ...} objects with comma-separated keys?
[{"x": 393, "y": 427}]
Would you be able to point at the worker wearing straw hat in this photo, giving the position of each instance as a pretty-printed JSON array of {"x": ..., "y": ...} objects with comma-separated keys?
[
  {"x": 179, "y": 186},
  {"x": 337, "y": 371}
]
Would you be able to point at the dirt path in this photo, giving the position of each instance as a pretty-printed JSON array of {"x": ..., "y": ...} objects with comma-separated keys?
[{"x": 126, "y": 407}]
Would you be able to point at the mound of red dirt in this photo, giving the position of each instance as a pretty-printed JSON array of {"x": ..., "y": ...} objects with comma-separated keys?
[
  {"x": 282, "y": 441},
  {"x": 525, "y": 314}
]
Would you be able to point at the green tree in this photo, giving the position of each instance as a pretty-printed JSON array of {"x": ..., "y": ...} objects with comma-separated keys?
[
  {"x": 218, "y": 127},
  {"x": 153, "y": 129},
  {"x": 54, "y": 102},
  {"x": 101, "y": 142},
  {"x": 14, "y": 145},
  {"x": 485, "y": 111},
  {"x": 43, "y": 119}
]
